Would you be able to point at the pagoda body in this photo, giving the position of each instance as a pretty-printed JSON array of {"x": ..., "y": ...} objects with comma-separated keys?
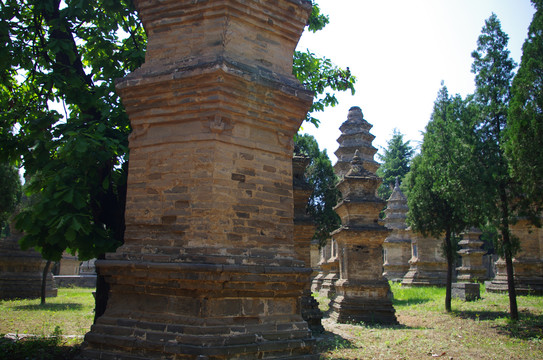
[
  {"x": 397, "y": 246},
  {"x": 21, "y": 271},
  {"x": 362, "y": 292},
  {"x": 472, "y": 269},
  {"x": 527, "y": 264},
  {"x": 427, "y": 266},
  {"x": 304, "y": 229},
  {"x": 209, "y": 268}
]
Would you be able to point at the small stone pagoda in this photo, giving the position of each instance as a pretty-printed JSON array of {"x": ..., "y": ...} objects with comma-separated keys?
[
  {"x": 304, "y": 229},
  {"x": 21, "y": 271},
  {"x": 209, "y": 268},
  {"x": 362, "y": 293},
  {"x": 397, "y": 246},
  {"x": 427, "y": 266},
  {"x": 330, "y": 270},
  {"x": 472, "y": 269},
  {"x": 527, "y": 264},
  {"x": 316, "y": 283}
]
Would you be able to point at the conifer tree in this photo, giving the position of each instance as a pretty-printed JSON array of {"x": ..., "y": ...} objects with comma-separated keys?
[
  {"x": 493, "y": 69},
  {"x": 525, "y": 121},
  {"x": 442, "y": 187},
  {"x": 395, "y": 163}
]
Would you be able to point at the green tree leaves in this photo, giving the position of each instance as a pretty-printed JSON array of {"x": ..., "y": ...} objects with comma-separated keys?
[
  {"x": 320, "y": 175},
  {"x": 61, "y": 119},
  {"x": 69, "y": 53},
  {"x": 10, "y": 191},
  {"x": 395, "y": 163},
  {"x": 444, "y": 193},
  {"x": 525, "y": 121}
]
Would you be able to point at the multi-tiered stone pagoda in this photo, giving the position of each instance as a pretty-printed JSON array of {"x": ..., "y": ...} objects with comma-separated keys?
[
  {"x": 397, "y": 246},
  {"x": 472, "y": 269},
  {"x": 362, "y": 292}
]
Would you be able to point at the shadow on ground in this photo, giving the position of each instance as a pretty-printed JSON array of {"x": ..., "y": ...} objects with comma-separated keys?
[
  {"x": 408, "y": 302},
  {"x": 50, "y": 307},
  {"x": 529, "y": 326},
  {"x": 329, "y": 341}
]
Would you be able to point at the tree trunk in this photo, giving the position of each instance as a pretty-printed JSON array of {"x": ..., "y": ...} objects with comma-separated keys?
[
  {"x": 101, "y": 295},
  {"x": 44, "y": 281},
  {"x": 513, "y": 309},
  {"x": 508, "y": 254},
  {"x": 450, "y": 259}
]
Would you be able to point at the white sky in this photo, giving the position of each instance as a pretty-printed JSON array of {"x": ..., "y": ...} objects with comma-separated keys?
[{"x": 400, "y": 51}]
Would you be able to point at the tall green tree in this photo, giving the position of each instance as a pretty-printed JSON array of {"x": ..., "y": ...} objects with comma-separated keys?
[
  {"x": 442, "y": 182},
  {"x": 68, "y": 52},
  {"x": 525, "y": 121},
  {"x": 396, "y": 161},
  {"x": 493, "y": 69},
  {"x": 320, "y": 175}
]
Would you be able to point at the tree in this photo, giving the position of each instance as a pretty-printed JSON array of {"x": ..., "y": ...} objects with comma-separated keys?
[
  {"x": 69, "y": 53},
  {"x": 493, "y": 69},
  {"x": 442, "y": 181},
  {"x": 524, "y": 132},
  {"x": 10, "y": 193},
  {"x": 319, "y": 74},
  {"x": 395, "y": 163},
  {"x": 320, "y": 175}
]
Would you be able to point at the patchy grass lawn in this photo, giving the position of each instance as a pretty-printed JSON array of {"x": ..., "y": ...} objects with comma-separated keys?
[
  {"x": 72, "y": 311},
  {"x": 474, "y": 330},
  {"x": 36, "y": 331}
]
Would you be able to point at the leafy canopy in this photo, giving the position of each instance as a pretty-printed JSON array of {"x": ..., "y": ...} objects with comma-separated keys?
[
  {"x": 443, "y": 187},
  {"x": 68, "y": 53},
  {"x": 524, "y": 140},
  {"x": 493, "y": 70},
  {"x": 443, "y": 191}
]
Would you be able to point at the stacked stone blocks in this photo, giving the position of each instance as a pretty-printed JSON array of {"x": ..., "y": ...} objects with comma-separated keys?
[{"x": 209, "y": 268}]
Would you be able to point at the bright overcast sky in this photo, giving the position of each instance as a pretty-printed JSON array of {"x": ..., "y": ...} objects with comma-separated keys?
[{"x": 400, "y": 51}]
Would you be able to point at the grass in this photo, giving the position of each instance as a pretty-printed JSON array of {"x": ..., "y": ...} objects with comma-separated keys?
[
  {"x": 72, "y": 311},
  {"x": 474, "y": 330}
]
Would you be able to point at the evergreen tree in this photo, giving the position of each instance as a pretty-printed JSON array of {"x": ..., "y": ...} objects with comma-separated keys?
[
  {"x": 320, "y": 175},
  {"x": 442, "y": 181},
  {"x": 493, "y": 69},
  {"x": 395, "y": 163},
  {"x": 525, "y": 121}
]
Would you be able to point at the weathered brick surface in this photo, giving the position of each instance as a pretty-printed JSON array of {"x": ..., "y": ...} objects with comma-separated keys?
[
  {"x": 304, "y": 228},
  {"x": 209, "y": 268},
  {"x": 472, "y": 269},
  {"x": 527, "y": 264},
  {"x": 427, "y": 266},
  {"x": 21, "y": 271}
]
